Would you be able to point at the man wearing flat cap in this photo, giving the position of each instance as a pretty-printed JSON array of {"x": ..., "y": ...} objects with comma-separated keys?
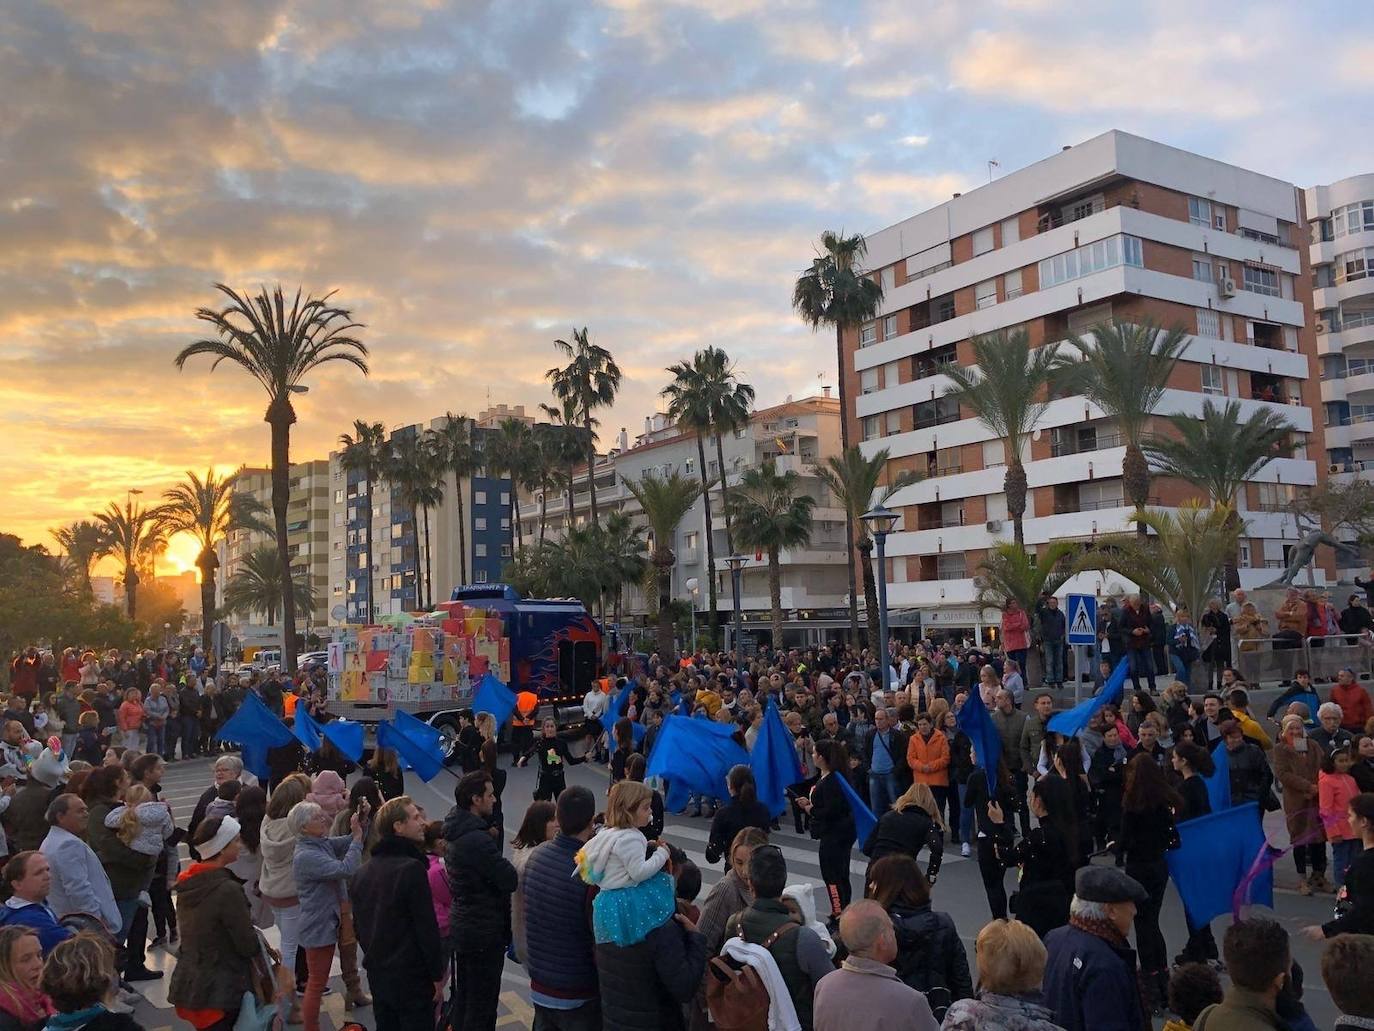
[{"x": 1090, "y": 978}]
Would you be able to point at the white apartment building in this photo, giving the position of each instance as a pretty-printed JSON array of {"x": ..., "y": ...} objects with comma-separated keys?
[
  {"x": 1341, "y": 253},
  {"x": 1116, "y": 226},
  {"x": 797, "y": 435}
]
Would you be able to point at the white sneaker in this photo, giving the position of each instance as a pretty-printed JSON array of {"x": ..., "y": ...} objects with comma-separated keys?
[{"x": 964, "y": 850}]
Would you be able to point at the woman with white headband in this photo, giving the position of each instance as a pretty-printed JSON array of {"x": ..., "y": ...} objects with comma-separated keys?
[{"x": 218, "y": 941}]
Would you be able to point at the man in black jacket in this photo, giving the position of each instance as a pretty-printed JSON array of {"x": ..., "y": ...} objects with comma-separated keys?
[
  {"x": 393, "y": 916},
  {"x": 482, "y": 881},
  {"x": 645, "y": 985}
]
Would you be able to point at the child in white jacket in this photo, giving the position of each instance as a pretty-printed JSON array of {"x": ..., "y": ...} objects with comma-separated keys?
[
  {"x": 636, "y": 895},
  {"x": 142, "y": 823}
]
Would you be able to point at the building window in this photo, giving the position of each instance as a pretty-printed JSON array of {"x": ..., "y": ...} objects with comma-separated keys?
[
  {"x": 985, "y": 294},
  {"x": 1208, "y": 324},
  {"x": 1094, "y": 257},
  {"x": 338, "y": 519},
  {"x": 505, "y": 551},
  {"x": 338, "y": 496},
  {"x": 479, "y": 523},
  {"x": 479, "y": 576},
  {"x": 951, "y": 567},
  {"x": 1011, "y": 284},
  {"x": 938, "y": 412},
  {"x": 505, "y": 498},
  {"x": 891, "y": 374},
  {"x": 505, "y": 522},
  {"x": 1202, "y": 270},
  {"x": 479, "y": 550},
  {"x": 868, "y": 334},
  {"x": 1200, "y": 212},
  {"x": 889, "y": 327},
  {"x": 894, "y": 423},
  {"x": 1353, "y": 218},
  {"x": 1354, "y": 265},
  {"x": 689, "y": 541},
  {"x": 982, "y": 241},
  {"x": 1011, "y": 232},
  {"x": 871, "y": 428},
  {"x": 479, "y": 497},
  {"x": 868, "y": 381},
  {"x": 1261, "y": 280},
  {"x": 1212, "y": 381}
]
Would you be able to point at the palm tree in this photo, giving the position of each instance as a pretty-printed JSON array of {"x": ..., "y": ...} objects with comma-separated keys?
[
  {"x": 546, "y": 457},
  {"x": 1218, "y": 453},
  {"x": 366, "y": 453},
  {"x": 511, "y": 452},
  {"x": 589, "y": 381},
  {"x": 572, "y": 448},
  {"x": 1124, "y": 372},
  {"x": 259, "y": 586},
  {"x": 705, "y": 397},
  {"x": 854, "y": 480},
  {"x": 665, "y": 501},
  {"x": 135, "y": 537},
  {"x": 835, "y": 292},
  {"x": 1010, "y": 395},
  {"x": 770, "y": 515},
  {"x": 84, "y": 542},
  {"x": 279, "y": 346},
  {"x": 1008, "y": 570},
  {"x": 209, "y": 510},
  {"x": 622, "y": 550},
  {"x": 462, "y": 454},
  {"x": 418, "y": 476}
]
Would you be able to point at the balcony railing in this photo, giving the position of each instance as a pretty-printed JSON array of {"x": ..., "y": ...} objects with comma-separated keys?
[{"x": 1060, "y": 448}]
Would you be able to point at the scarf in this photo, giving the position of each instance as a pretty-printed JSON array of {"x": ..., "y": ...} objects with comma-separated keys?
[
  {"x": 1104, "y": 929},
  {"x": 26, "y": 1005}
]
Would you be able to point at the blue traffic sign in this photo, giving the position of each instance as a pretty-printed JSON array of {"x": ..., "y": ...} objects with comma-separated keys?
[{"x": 1082, "y": 619}]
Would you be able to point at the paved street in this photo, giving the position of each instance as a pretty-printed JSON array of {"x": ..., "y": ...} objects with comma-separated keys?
[{"x": 959, "y": 892}]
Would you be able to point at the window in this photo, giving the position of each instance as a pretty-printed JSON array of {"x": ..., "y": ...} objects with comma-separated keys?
[
  {"x": 894, "y": 423},
  {"x": 868, "y": 334},
  {"x": 1353, "y": 218},
  {"x": 871, "y": 428},
  {"x": 951, "y": 567},
  {"x": 1200, "y": 212},
  {"x": 889, "y": 327},
  {"x": 505, "y": 498},
  {"x": 889, "y": 278},
  {"x": 505, "y": 551},
  {"x": 1262, "y": 280},
  {"x": 1083, "y": 208},
  {"x": 1354, "y": 265},
  {"x": 891, "y": 374},
  {"x": 397, "y": 531},
  {"x": 868, "y": 381},
  {"x": 994, "y": 453},
  {"x": 985, "y": 294},
  {"x": 936, "y": 413},
  {"x": 1273, "y": 496},
  {"x": 689, "y": 541},
  {"x": 1011, "y": 284},
  {"x": 942, "y": 309},
  {"x": 338, "y": 496},
  {"x": 1011, "y": 232},
  {"x": 1208, "y": 324},
  {"x": 338, "y": 519},
  {"x": 479, "y": 523},
  {"x": 479, "y": 497},
  {"x": 1093, "y": 257},
  {"x": 982, "y": 241},
  {"x": 1212, "y": 381},
  {"x": 505, "y": 522},
  {"x": 479, "y": 549},
  {"x": 1202, "y": 270},
  {"x": 479, "y": 576}
]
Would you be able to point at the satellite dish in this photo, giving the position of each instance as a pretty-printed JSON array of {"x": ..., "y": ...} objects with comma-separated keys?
[{"x": 338, "y": 613}]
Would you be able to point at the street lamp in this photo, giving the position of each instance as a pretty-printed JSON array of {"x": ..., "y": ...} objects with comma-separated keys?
[
  {"x": 693, "y": 585},
  {"x": 880, "y": 521},
  {"x": 736, "y": 562},
  {"x": 166, "y": 635}
]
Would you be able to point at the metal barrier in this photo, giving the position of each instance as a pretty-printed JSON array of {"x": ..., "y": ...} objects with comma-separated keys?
[
  {"x": 1276, "y": 658},
  {"x": 1327, "y": 656}
]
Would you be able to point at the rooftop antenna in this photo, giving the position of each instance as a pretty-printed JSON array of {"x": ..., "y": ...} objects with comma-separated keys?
[{"x": 992, "y": 163}]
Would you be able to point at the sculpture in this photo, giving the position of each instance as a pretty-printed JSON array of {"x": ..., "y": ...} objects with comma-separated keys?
[{"x": 1304, "y": 552}]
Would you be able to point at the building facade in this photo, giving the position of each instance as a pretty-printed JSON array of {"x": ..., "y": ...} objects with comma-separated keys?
[{"x": 1116, "y": 227}]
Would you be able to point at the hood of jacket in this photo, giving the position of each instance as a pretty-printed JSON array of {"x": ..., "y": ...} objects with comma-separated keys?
[
  {"x": 393, "y": 845},
  {"x": 200, "y": 880},
  {"x": 593, "y": 856},
  {"x": 328, "y": 792},
  {"x": 460, "y": 822}
]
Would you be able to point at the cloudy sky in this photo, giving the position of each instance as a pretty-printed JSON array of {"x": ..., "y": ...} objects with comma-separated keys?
[{"x": 475, "y": 179}]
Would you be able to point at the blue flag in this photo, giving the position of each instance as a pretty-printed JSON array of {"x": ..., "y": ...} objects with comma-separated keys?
[
  {"x": 694, "y": 756},
  {"x": 306, "y": 730},
  {"x": 419, "y": 731},
  {"x": 346, "y": 736},
  {"x": 864, "y": 820},
  {"x": 1219, "y": 783},
  {"x": 427, "y": 762},
  {"x": 1071, "y": 722},
  {"x": 973, "y": 720},
  {"x": 774, "y": 761},
  {"x": 618, "y": 707},
  {"x": 255, "y": 729},
  {"x": 1215, "y": 857},
  {"x": 494, "y": 697}
]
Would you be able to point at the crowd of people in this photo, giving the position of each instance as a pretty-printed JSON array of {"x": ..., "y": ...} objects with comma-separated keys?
[{"x": 606, "y": 917}]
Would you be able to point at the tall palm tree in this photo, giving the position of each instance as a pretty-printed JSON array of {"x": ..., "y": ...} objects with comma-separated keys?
[
  {"x": 772, "y": 514},
  {"x": 511, "y": 452},
  {"x": 572, "y": 447},
  {"x": 590, "y": 380},
  {"x": 419, "y": 479},
  {"x": 856, "y": 483},
  {"x": 1218, "y": 453},
  {"x": 366, "y": 452},
  {"x": 462, "y": 454},
  {"x": 665, "y": 501},
  {"x": 84, "y": 542},
  {"x": 135, "y": 538},
  {"x": 623, "y": 549},
  {"x": 1124, "y": 371},
  {"x": 1008, "y": 570},
  {"x": 209, "y": 510},
  {"x": 279, "y": 345},
  {"x": 542, "y": 474},
  {"x": 835, "y": 291},
  {"x": 1009, "y": 393},
  {"x": 259, "y": 586},
  {"x": 705, "y": 397}
]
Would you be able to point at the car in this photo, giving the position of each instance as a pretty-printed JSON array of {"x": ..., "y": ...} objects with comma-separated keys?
[{"x": 311, "y": 660}]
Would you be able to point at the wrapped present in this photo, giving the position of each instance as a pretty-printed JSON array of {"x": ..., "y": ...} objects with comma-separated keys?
[
  {"x": 504, "y": 653},
  {"x": 354, "y": 686},
  {"x": 478, "y": 666},
  {"x": 377, "y": 661}
]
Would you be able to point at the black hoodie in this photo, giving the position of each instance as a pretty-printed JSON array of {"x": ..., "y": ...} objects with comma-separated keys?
[{"x": 483, "y": 881}]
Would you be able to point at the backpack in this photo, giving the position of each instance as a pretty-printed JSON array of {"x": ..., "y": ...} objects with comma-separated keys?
[
  {"x": 736, "y": 997},
  {"x": 917, "y": 968}
]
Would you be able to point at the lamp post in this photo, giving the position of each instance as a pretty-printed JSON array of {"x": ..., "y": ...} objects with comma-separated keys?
[
  {"x": 693, "y": 585},
  {"x": 880, "y": 521},
  {"x": 736, "y": 562}
]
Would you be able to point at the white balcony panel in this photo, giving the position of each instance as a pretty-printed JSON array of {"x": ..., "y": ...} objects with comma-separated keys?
[{"x": 1231, "y": 246}]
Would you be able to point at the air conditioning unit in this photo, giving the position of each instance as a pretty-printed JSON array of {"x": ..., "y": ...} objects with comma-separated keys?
[
  {"x": 993, "y": 525},
  {"x": 1227, "y": 287},
  {"x": 1321, "y": 327},
  {"x": 1219, "y": 221},
  {"x": 1335, "y": 467}
]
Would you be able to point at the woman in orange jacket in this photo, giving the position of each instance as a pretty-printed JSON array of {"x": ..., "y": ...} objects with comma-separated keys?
[{"x": 927, "y": 753}]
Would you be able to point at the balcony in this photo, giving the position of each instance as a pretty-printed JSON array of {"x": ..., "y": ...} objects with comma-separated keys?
[{"x": 1062, "y": 446}]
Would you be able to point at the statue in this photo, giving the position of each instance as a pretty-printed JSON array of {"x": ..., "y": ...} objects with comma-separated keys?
[{"x": 1303, "y": 552}]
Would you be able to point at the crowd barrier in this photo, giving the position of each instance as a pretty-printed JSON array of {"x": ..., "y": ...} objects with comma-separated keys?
[{"x": 1274, "y": 659}]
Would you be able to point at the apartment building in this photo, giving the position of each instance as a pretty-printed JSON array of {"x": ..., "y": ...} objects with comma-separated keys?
[
  {"x": 307, "y": 536},
  {"x": 398, "y": 552},
  {"x": 796, "y": 435},
  {"x": 1118, "y": 226},
  {"x": 1341, "y": 252}
]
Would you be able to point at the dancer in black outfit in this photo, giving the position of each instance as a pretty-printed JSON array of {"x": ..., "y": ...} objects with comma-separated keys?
[
  {"x": 1147, "y": 832},
  {"x": 743, "y": 810},
  {"x": 832, "y": 823},
  {"x": 1045, "y": 856},
  {"x": 1193, "y": 762},
  {"x": 986, "y": 829},
  {"x": 551, "y": 752}
]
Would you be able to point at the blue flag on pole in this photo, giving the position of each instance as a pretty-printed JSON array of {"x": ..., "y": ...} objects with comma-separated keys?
[
  {"x": 306, "y": 730},
  {"x": 494, "y": 697},
  {"x": 1071, "y": 722},
  {"x": 1216, "y": 854},
  {"x": 618, "y": 707},
  {"x": 864, "y": 820},
  {"x": 774, "y": 761},
  {"x": 346, "y": 736},
  {"x": 694, "y": 756},
  {"x": 255, "y": 729},
  {"x": 973, "y": 720},
  {"x": 418, "y": 731},
  {"x": 426, "y": 761},
  {"x": 1219, "y": 783}
]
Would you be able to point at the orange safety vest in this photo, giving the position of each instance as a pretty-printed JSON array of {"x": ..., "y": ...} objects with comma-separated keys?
[
  {"x": 289, "y": 703},
  {"x": 526, "y": 702}
]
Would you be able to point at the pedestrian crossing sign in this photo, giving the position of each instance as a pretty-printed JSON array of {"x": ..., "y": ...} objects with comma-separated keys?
[{"x": 1082, "y": 619}]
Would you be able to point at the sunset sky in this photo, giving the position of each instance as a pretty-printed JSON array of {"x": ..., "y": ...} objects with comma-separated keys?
[{"x": 475, "y": 179}]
